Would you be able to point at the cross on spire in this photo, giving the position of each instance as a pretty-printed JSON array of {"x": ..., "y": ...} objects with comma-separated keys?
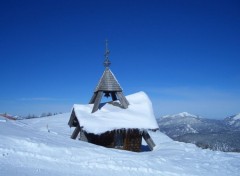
[{"x": 107, "y": 62}]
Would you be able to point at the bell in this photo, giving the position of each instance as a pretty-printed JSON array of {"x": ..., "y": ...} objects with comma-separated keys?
[{"x": 107, "y": 94}]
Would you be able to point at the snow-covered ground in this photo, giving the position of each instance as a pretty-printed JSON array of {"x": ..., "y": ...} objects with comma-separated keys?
[{"x": 42, "y": 147}]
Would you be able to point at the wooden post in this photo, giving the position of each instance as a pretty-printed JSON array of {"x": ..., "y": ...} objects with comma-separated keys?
[
  {"x": 97, "y": 101},
  {"x": 122, "y": 100},
  {"x": 148, "y": 140},
  {"x": 75, "y": 132},
  {"x": 93, "y": 98}
]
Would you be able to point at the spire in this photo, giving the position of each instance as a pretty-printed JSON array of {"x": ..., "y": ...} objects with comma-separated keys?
[{"x": 107, "y": 62}]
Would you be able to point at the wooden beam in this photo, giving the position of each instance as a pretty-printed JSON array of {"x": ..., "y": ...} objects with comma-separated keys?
[
  {"x": 122, "y": 100},
  {"x": 97, "y": 101},
  {"x": 70, "y": 122},
  {"x": 125, "y": 99},
  {"x": 73, "y": 121},
  {"x": 93, "y": 98},
  {"x": 148, "y": 140},
  {"x": 75, "y": 132}
]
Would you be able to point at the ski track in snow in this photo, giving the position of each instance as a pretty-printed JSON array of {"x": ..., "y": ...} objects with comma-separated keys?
[{"x": 27, "y": 148}]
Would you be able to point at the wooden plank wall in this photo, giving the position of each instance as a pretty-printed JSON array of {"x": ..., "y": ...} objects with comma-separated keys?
[{"x": 133, "y": 140}]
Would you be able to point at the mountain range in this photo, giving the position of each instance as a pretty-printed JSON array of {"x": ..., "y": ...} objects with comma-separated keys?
[{"x": 222, "y": 135}]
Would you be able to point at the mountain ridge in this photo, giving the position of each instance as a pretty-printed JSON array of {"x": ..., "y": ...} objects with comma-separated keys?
[{"x": 206, "y": 133}]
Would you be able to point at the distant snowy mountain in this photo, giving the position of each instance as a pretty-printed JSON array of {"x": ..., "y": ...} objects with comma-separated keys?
[
  {"x": 220, "y": 135},
  {"x": 185, "y": 123},
  {"x": 233, "y": 122},
  {"x": 182, "y": 114}
]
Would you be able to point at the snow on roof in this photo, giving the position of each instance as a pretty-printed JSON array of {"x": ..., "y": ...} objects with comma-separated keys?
[{"x": 139, "y": 114}]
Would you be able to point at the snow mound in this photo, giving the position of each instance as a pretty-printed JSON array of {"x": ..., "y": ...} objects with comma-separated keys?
[{"x": 139, "y": 115}]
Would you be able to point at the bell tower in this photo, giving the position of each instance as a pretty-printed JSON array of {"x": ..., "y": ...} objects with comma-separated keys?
[{"x": 108, "y": 86}]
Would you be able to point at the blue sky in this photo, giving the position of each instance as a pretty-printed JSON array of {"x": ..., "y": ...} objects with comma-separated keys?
[{"x": 184, "y": 54}]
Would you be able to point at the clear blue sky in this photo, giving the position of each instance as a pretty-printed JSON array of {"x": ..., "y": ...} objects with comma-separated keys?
[{"x": 184, "y": 54}]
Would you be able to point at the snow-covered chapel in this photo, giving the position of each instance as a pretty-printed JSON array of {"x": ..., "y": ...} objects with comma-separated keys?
[{"x": 121, "y": 123}]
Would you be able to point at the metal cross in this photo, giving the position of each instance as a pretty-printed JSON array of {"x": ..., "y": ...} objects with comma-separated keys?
[{"x": 107, "y": 62}]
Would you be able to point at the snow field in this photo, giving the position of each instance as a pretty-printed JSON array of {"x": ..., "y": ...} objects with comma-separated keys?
[{"x": 43, "y": 147}]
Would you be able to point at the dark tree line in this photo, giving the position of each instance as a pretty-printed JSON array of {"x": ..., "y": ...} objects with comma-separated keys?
[{"x": 44, "y": 114}]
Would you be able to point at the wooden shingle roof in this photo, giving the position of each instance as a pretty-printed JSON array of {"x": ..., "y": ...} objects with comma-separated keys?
[{"x": 108, "y": 82}]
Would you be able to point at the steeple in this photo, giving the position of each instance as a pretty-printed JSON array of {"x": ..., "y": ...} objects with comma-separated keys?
[{"x": 108, "y": 86}]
